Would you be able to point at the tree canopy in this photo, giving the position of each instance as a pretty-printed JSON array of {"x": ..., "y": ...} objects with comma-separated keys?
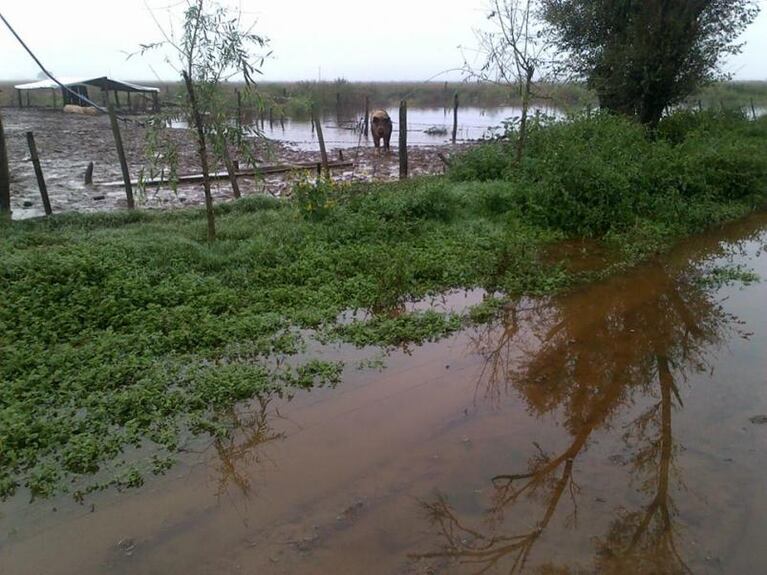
[{"x": 642, "y": 56}]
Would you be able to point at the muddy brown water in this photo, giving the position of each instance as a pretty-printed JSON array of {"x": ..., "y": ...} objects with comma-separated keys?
[{"x": 607, "y": 430}]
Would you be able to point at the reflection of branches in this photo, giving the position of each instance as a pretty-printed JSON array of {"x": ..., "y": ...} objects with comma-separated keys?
[
  {"x": 648, "y": 536},
  {"x": 590, "y": 354},
  {"x": 472, "y": 547},
  {"x": 500, "y": 347},
  {"x": 238, "y": 450}
]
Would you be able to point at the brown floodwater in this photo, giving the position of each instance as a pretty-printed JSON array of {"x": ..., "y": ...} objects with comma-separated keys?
[{"x": 607, "y": 430}]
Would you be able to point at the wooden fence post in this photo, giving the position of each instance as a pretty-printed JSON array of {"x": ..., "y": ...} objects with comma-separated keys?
[
  {"x": 155, "y": 102},
  {"x": 121, "y": 155},
  {"x": 403, "y": 140},
  {"x": 323, "y": 150},
  {"x": 232, "y": 171},
  {"x": 455, "y": 116},
  {"x": 239, "y": 116},
  {"x": 21, "y": 101},
  {"x": 753, "y": 109},
  {"x": 39, "y": 173},
  {"x": 367, "y": 116},
  {"x": 5, "y": 176},
  {"x": 89, "y": 174}
]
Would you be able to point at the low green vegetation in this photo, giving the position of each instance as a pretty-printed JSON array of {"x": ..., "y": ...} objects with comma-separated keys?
[
  {"x": 124, "y": 335},
  {"x": 608, "y": 177}
]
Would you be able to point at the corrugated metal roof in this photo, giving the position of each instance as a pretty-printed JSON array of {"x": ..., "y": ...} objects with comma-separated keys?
[{"x": 101, "y": 82}]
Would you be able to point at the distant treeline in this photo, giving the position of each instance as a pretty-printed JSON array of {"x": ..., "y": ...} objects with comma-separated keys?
[{"x": 294, "y": 99}]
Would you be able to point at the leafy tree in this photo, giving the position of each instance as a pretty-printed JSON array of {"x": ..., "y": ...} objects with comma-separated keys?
[{"x": 643, "y": 56}]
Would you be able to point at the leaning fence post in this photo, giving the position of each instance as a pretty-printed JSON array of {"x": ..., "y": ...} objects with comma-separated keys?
[
  {"x": 121, "y": 155},
  {"x": 89, "y": 174},
  {"x": 39, "y": 173},
  {"x": 753, "y": 109},
  {"x": 5, "y": 176},
  {"x": 367, "y": 116},
  {"x": 323, "y": 150},
  {"x": 455, "y": 116},
  {"x": 403, "y": 140},
  {"x": 232, "y": 171}
]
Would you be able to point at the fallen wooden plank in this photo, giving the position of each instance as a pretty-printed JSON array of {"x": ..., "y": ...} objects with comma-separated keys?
[{"x": 259, "y": 171}]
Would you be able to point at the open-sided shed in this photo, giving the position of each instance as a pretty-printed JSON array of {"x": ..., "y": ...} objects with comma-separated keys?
[{"x": 78, "y": 90}]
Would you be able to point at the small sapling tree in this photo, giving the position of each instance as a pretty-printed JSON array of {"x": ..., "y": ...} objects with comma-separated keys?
[
  {"x": 512, "y": 51},
  {"x": 213, "y": 49}
]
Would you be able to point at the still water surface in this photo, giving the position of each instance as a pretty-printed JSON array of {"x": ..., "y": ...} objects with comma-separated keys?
[
  {"x": 473, "y": 124},
  {"x": 607, "y": 430}
]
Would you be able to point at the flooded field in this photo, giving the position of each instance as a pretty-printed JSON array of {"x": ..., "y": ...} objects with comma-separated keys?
[
  {"x": 619, "y": 428},
  {"x": 68, "y": 142},
  {"x": 426, "y": 127}
]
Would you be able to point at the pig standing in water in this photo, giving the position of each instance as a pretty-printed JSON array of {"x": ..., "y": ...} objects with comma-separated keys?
[{"x": 381, "y": 128}]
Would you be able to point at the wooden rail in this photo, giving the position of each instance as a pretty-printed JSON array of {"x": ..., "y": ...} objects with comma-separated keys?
[{"x": 259, "y": 171}]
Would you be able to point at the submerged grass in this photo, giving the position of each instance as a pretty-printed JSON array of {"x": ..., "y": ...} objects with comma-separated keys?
[{"x": 123, "y": 334}]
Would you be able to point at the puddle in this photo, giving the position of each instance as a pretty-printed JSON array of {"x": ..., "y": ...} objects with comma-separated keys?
[{"x": 608, "y": 430}]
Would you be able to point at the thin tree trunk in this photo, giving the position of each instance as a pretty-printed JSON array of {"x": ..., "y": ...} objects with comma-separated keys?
[
  {"x": 202, "y": 151},
  {"x": 521, "y": 141}
]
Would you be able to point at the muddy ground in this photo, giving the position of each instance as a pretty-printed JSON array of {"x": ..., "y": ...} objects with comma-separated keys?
[{"x": 68, "y": 142}]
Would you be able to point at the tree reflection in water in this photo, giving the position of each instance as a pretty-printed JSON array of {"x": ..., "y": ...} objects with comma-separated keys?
[
  {"x": 590, "y": 357},
  {"x": 238, "y": 451}
]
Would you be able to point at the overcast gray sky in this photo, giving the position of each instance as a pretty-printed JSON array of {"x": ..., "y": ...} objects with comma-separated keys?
[{"x": 353, "y": 39}]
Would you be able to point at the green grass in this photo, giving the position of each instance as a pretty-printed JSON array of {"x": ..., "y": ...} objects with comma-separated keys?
[{"x": 124, "y": 335}]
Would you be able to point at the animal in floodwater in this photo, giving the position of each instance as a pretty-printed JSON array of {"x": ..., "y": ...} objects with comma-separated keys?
[{"x": 381, "y": 127}]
